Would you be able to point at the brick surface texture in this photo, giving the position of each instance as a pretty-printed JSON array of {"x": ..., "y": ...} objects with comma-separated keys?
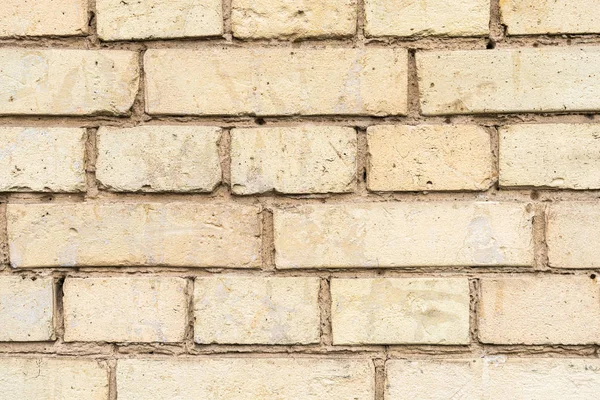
[{"x": 299, "y": 200}]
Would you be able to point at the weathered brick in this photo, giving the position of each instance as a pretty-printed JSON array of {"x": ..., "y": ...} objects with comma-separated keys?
[
  {"x": 404, "y": 235},
  {"x": 53, "y": 379},
  {"x": 149, "y": 19},
  {"x": 529, "y": 17},
  {"x": 42, "y": 159},
  {"x": 572, "y": 232},
  {"x": 425, "y": 18},
  {"x": 539, "y": 310},
  {"x": 276, "y": 81},
  {"x": 400, "y": 311},
  {"x": 67, "y": 82},
  {"x": 280, "y": 18},
  {"x": 112, "y": 234},
  {"x": 26, "y": 308},
  {"x": 248, "y": 310},
  {"x": 494, "y": 377},
  {"x": 550, "y": 155},
  {"x": 43, "y": 18},
  {"x": 509, "y": 80},
  {"x": 309, "y": 159},
  {"x": 429, "y": 157},
  {"x": 125, "y": 309},
  {"x": 249, "y": 378},
  {"x": 159, "y": 158}
]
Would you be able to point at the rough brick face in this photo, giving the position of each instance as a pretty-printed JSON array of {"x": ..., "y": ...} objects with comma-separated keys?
[
  {"x": 276, "y": 81},
  {"x": 293, "y": 160},
  {"x": 26, "y": 309},
  {"x": 424, "y": 18},
  {"x": 250, "y": 378},
  {"x": 527, "y": 17},
  {"x": 67, "y": 82},
  {"x": 511, "y": 80},
  {"x": 539, "y": 310},
  {"x": 550, "y": 155},
  {"x": 178, "y": 234},
  {"x": 53, "y": 379},
  {"x": 281, "y": 18},
  {"x": 159, "y": 158},
  {"x": 404, "y": 235},
  {"x": 42, "y": 159},
  {"x": 429, "y": 157},
  {"x": 124, "y": 309},
  {"x": 149, "y": 19},
  {"x": 43, "y": 18},
  {"x": 493, "y": 378},
  {"x": 572, "y": 231},
  {"x": 400, "y": 311},
  {"x": 244, "y": 310}
]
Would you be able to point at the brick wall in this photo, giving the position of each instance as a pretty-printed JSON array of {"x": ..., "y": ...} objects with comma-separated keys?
[{"x": 274, "y": 199}]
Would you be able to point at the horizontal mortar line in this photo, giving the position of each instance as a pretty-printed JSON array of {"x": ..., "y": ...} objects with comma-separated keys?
[
  {"x": 333, "y": 273},
  {"x": 254, "y": 121},
  {"x": 441, "y": 42}
]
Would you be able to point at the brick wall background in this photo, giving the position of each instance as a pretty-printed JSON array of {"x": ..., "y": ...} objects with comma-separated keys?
[{"x": 275, "y": 199}]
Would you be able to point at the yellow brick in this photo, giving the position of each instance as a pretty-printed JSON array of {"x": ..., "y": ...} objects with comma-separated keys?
[
  {"x": 67, "y": 82},
  {"x": 125, "y": 309},
  {"x": 159, "y": 158},
  {"x": 281, "y": 18},
  {"x": 243, "y": 379},
  {"x": 308, "y": 159},
  {"x": 540, "y": 310},
  {"x": 276, "y": 81},
  {"x": 43, "y": 18},
  {"x": 509, "y": 80},
  {"x": 528, "y": 17},
  {"x": 149, "y": 19},
  {"x": 400, "y": 311},
  {"x": 26, "y": 309},
  {"x": 405, "y": 234},
  {"x": 112, "y": 234},
  {"x": 550, "y": 155},
  {"x": 426, "y": 17},
  {"x": 247, "y": 310},
  {"x": 42, "y": 159},
  {"x": 429, "y": 157},
  {"x": 53, "y": 379}
]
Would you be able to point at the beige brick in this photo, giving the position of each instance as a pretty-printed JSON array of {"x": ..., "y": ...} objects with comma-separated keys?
[
  {"x": 67, "y": 82},
  {"x": 426, "y": 17},
  {"x": 550, "y": 155},
  {"x": 529, "y": 17},
  {"x": 409, "y": 234},
  {"x": 493, "y": 377},
  {"x": 43, "y": 18},
  {"x": 26, "y": 307},
  {"x": 249, "y": 378},
  {"x": 281, "y": 18},
  {"x": 42, "y": 159},
  {"x": 572, "y": 232},
  {"x": 308, "y": 159},
  {"x": 509, "y": 80},
  {"x": 400, "y": 311},
  {"x": 125, "y": 309},
  {"x": 429, "y": 157},
  {"x": 53, "y": 379},
  {"x": 276, "y": 81},
  {"x": 150, "y": 19},
  {"x": 159, "y": 158},
  {"x": 248, "y": 310},
  {"x": 113, "y": 234},
  {"x": 540, "y": 310}
]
